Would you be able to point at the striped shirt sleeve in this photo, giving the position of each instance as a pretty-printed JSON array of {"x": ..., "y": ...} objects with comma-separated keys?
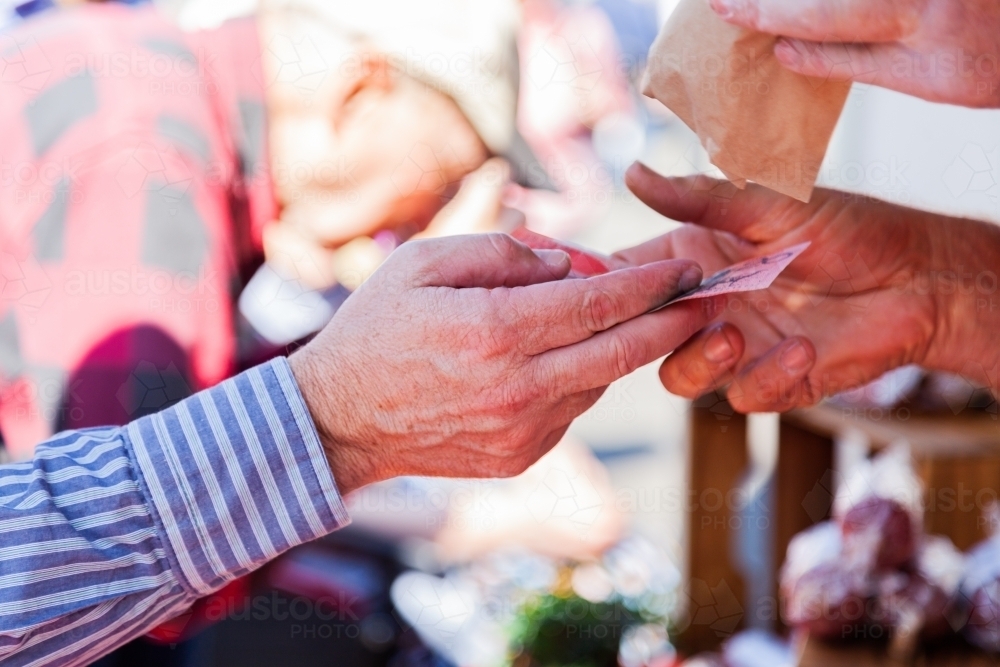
[{"x": 108, "y": 532}]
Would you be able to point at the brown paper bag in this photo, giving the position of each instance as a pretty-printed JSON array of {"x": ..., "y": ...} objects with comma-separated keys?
[{"x": 757, "y": 120}]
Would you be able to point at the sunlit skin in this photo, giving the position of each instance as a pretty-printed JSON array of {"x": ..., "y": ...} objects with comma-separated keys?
[
  {"x": 881, "y": 286},
  {"x": 469, "y": 356},
  {"x": 939, "y": 50}
]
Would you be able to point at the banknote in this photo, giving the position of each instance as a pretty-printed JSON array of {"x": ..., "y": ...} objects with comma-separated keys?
[{"x": 753, "y": 274}]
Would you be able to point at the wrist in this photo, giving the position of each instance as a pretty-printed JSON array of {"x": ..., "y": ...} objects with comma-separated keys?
[
  {"x": 352, "y": 464},
  {"x": 963, "y": 280}
]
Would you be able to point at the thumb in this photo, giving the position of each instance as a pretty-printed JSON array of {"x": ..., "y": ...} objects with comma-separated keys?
[
  {"x": 755, "y": 213},
  {"x": 481, "y": 260}
]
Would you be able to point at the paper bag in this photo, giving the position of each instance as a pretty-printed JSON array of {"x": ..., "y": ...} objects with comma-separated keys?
[{"x": 757, "y": 120}]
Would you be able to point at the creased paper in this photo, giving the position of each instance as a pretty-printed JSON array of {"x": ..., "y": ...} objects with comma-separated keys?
[{"x": 758, "y": 121}]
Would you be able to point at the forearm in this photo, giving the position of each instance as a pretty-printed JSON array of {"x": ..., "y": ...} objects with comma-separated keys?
[
  {"x": 108, "y": 532},
  {"x": 963, "y": 279}
]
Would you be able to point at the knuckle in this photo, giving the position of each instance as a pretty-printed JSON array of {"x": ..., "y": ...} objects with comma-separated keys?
[
  {"x": 599, "y": 311},
  {"x": 413, "y": 257},
  {"x": 503, "y": 338},
  {"x": 628, "y": 354},
  {"x": 544, "y": 382},
  {"x": 412, "y": 250},
  {"x": 491, "y": 339},
  {"x": 499, "y": 324}
]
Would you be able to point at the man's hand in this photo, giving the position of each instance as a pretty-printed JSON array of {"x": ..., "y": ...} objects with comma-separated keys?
[
  {"x": 881, "y": 286},
  {"x": 470, "y": 356},
  {"x": 940, "y": 50}
]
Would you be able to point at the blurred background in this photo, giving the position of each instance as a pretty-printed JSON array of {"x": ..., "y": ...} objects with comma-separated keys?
[{"x": 615, "y": 549}]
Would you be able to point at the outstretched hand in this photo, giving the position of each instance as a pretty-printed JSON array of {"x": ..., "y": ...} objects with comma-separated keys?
[
  {"x": 860, "y": 301},
  {"x": 470, "y": 356}
]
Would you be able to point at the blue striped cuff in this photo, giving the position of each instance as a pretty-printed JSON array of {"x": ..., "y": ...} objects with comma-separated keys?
[{"x": 236, "y": 475}]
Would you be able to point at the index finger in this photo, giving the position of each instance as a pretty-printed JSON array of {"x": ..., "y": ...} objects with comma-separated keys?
[
  {"x": 615, "y": 353},
  {"x": 556, "y": 314},
  {"x": 825, "y": 20}
]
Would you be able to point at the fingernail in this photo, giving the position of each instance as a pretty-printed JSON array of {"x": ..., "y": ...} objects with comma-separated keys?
[
  {"x": 724, "y": 8},
  {"x": 690, "y": 279},
  {"x": 717, "y": 347},
  {"x": 795, "y": 358},
  {"x": 557, "y": 259}
]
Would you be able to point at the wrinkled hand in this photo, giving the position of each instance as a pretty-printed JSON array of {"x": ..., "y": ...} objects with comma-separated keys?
[
  {"x": 940, "y": 50},
  {"x": 469, "y": 356},
  {"x": 881, "y": 286}
]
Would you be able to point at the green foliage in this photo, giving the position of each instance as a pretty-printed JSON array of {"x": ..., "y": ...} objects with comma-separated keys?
[{"x": 558, "y": 631}]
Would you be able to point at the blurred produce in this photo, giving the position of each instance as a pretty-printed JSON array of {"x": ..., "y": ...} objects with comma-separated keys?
[
  {"x": 524, "y": 609},
  {"x": 562, "y": 630},
  {"x": 912, "y": 387},
  {"x": 872, "y": 572},
  {"x": 750, "y": 648},
  {"x": 981, "y": 588},
  {"x": 823, "y": 591},
  {"x": 879, "y": 510}
]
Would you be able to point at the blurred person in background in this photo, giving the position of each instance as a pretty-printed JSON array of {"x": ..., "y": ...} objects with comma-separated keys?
[
  {"x": 575, "y": 91},
  {"x": 146, "y": 169},
  {"x": 574, "y": 82}
]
